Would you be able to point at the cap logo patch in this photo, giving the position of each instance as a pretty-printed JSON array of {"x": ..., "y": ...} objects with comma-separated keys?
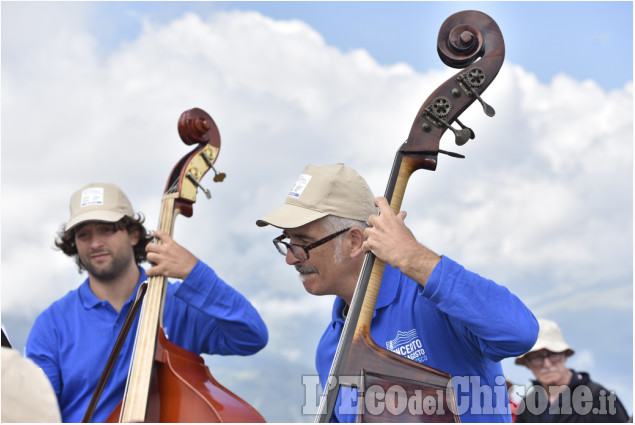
[
  {"x": 92, "y": 196},
  {"x": 299, "y": 186}
]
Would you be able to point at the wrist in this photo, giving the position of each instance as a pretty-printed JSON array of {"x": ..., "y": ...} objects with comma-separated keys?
[{"x": 419, "y": 263}]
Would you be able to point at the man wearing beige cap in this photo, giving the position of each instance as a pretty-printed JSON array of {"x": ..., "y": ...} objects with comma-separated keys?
[
  {"x": 72, "y": 339},
  {"x": 429, "y": 308},
  {"x": 560, "y": 394}
]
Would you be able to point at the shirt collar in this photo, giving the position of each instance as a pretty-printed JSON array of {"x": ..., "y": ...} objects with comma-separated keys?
[
  {"x": 387, "y": 294},
  {"x": 90, "y": 300}
]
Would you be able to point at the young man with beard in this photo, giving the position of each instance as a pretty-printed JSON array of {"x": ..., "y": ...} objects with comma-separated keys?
[
  {"x": 72, "y": 339},
  {"x": 560, "y": 394},
  {"x": 458, "y": 321}
]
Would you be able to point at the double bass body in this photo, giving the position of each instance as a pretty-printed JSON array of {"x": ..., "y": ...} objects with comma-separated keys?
[{"x": 182, "y": 389}]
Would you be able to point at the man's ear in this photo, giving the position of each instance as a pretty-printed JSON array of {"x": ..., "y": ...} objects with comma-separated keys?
[
  {"x": 134, "y": 237},
  {"x": 356, "y": 238}
]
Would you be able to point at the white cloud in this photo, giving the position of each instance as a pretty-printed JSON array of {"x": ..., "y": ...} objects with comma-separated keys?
[
  {"x": 583, "y": 360},
  {"x": 542, "y": 203}
]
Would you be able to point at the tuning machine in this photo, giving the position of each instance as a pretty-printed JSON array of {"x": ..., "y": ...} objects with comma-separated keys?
[
  {"x": 218, "y": 177},
  {"x": 469, "y": 81},
  {"x": 439, "y": 108},
  {"x": 198, "y": 184},
  {"x": 460, "y": 136}
]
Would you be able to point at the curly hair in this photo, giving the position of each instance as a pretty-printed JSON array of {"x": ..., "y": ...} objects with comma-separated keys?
[{"x": 65, "y": 240}]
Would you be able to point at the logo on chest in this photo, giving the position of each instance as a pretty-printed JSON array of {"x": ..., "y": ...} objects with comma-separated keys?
[{"x": 408, "y": 344}]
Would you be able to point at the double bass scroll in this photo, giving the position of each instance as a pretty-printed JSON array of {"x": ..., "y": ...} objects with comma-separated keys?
[{"x": 469, "y": 40}]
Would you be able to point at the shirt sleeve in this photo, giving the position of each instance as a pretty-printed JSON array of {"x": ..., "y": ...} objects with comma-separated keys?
[
  {"x": 214, "y": 318},
  {"x": 500, "y": 323},
  {"x": 41, "y": 347}
]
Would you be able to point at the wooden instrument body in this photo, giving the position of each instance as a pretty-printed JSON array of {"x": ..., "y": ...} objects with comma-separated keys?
[
  {"x": 188, "y": 392},
  {"x": 401, "y": 382}
]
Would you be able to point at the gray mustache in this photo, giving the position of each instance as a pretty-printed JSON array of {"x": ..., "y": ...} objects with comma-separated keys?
[{"x": 306, "y": 269}]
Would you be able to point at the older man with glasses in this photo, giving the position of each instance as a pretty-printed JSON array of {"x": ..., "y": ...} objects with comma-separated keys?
[
  {"x": 560, "y": 394},
  {"x": 429, "y": 308}
]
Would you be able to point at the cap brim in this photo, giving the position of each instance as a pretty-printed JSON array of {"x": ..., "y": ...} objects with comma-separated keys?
[
  {"x": 290, "y": 217},
  {"x": 107, "y": 216},
  {"x": 567, "y": 351}
]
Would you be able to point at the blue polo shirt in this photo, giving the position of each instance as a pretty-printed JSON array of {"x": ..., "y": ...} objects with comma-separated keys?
[
  {"x": 72, "y": 339},
  {"x": 460, "y": 323}
]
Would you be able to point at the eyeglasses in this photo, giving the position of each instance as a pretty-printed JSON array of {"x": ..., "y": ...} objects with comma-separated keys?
[
  {"x": 301, "y": 252},
  {"x": 539, "y": 360}
]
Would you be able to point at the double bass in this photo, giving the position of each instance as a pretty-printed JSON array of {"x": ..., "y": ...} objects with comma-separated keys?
[
  {"x": 167, "y": 383},
  {"x": 470, "y": 40}
]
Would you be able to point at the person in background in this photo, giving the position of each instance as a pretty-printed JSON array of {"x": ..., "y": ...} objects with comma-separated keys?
[
  {"x": 72, "y": 339},
  {"x": 561, "y": 394},
  {"x": 27, "y": 395},
  {"x": 458, "y": 321},
  {"x": 513, "y": 403}
]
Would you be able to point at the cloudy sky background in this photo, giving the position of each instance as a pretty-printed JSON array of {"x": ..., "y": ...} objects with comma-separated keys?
[{"x": 543, "y": 203}]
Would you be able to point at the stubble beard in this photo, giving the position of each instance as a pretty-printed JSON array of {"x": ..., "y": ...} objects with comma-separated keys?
[{"x": 110, "y": 272}]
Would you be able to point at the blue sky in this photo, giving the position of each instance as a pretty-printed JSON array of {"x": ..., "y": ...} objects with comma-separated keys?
[
  {"x": 586, "y": 40},
  {"x": 543, "y": 202}
]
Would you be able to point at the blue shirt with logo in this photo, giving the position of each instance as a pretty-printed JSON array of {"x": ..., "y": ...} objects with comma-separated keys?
[
  {"x": 459, "y": 323},
  {"x": 72, "y": 339}
]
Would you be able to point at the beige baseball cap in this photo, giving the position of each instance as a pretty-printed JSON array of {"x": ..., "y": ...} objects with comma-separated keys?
[
  {"x": 323, "y": 190},
  {"x": 98, "y": 202},
  {"x": 549, "y": 338}
]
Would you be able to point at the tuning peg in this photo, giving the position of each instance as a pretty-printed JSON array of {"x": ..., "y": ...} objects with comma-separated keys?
[
  {"x": 489, "y": 111},
  {"x": 218, "y": 177},
  {"x": 472, "y": 135},
  {"x": 460, "y": 136},
  {"x": 472, "y": 79},
  {"x": 196, "y": 182}
]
